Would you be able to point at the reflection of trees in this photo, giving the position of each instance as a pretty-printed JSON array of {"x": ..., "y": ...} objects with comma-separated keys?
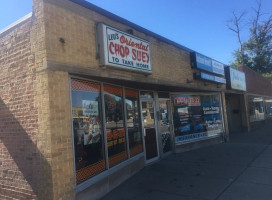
[
  {"x": 113, "y": 107},
  {"x": 132, "y": 111}
]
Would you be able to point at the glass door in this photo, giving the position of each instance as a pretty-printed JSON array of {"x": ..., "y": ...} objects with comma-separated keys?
[
  {"x": 164, "y": 125},
  {"x": 148, "y": 117}
]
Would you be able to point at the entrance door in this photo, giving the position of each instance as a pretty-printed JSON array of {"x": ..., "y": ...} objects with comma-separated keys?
[
  {"x": 148, "y": 116},
  {"x": 164, "y": 125},
  {"x": 234, "y": 112}
]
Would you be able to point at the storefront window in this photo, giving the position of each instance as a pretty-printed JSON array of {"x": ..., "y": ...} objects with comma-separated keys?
[
  {"x": 87, "y": 129},
  {"x": 256, "y": 108},
  {"x": 268, "y": 106},
  {"x": 196, "y": 116},
  {"x": 133, "y": 122},
  {"x": 116, "y": 137}
]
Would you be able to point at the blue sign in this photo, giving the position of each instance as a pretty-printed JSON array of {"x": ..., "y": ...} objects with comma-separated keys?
[
  {"x": 195, "y": 136},
  {"x": 212, "y": 78},
  {"x": 203, "y": 62},
  {"x": 207, "y": 64}
]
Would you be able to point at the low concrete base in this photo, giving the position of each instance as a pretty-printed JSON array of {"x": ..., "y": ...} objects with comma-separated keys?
[{"x": 102, "y": 187}]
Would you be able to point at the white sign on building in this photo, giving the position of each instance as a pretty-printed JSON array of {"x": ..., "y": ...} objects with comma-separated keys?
[
  {"x": 237, "y": 79},
  {"x": 123, "y": 51}
]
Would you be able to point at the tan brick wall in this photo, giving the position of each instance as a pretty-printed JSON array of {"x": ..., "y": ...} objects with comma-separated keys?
[
  {"x": 61, "y": 136},
  {"x": 256, "y": 83},
  {"x": 76, "y": 24},
  {"x": 20, "y": 159},
  {"x": 52, "y": 99}
]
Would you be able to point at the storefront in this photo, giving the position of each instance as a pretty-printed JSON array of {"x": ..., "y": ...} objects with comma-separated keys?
[
  {"x": 236, "y": 103},
  {"x": 107, "y": 97},
  {"x": 114, "y": 125}
]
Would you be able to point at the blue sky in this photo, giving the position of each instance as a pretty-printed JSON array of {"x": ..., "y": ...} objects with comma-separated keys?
[{"x": 197, "y": 24}]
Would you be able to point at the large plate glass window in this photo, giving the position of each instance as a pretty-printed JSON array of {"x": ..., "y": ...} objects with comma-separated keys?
[
  {"x": 256, "y": 108},
  {"x": 87, "y": 129},
  {"x": 133, "y": 122},
  {"x": 164, "y": 125},
  {"x": 268, "y": 107},
  {"x": 116, "y": 137},
  {"x": 196, "y": 116}
]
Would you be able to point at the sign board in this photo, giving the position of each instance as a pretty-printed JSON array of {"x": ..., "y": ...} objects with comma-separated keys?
[
  {"x": 209, "y": 77},
  {"x": 121, "y": 50},
  {"x": 205, "y": 63},
  {"x": 90, "y": 108},
  {"x": 236, "y": 79},
  {"x": 190, "y": 101}
]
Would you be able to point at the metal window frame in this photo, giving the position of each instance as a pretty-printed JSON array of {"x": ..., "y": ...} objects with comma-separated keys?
[{"x": 82, "y": 186}]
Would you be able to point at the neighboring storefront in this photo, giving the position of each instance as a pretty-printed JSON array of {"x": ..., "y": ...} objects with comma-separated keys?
[
  {"x": 198, "y": 116},
  {"x": 236, "y": 102},
  {"x": 268, "y": 107},
  {"x": 259, "y": 95}
]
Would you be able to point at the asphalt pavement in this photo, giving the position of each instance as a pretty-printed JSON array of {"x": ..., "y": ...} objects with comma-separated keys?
[{"x": 240, "y": 169}]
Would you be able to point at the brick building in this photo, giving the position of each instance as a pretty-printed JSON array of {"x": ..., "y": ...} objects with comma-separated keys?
[{"x": 88, "y": 98}]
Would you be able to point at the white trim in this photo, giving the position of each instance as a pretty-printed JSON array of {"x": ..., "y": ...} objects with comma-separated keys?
[{"x": 16, "y": 23}]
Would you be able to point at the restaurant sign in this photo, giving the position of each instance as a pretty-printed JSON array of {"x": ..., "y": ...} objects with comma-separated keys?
[{"x": 123, "y": 51}]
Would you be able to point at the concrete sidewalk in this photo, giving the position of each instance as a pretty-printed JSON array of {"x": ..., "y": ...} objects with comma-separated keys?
[{"x": 238, "y": 170}]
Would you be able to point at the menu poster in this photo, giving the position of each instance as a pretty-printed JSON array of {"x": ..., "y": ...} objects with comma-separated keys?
[
  {"x": 212, "y": 115},
  {"x": 90, "y": 108}
]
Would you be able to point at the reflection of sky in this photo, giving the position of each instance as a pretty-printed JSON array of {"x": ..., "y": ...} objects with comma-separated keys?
[
  {"x": 116, "y": 98},
  {"x": 129, "y": 102},
  {"x": 78, "y": 96}
]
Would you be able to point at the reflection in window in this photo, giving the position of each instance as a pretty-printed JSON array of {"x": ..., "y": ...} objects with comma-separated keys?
[
  {"x": 133, "y": 122},
  {"x": 164, "y": 125},
  {"x": 256, "y": 109},
  {"x": 148, "y": 114},
  {"x": 146, "y": 94},
  {"x": 116, "y": 139},
  {"x": 87, "y": 129}
]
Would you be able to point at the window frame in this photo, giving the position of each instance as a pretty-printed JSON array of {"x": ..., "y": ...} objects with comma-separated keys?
[{"x": 109, "y": 170}]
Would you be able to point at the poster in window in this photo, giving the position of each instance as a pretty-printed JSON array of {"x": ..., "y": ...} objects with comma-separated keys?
[
  {"x": 196, "y": 116},
  {"x": 90, "y": 108}
]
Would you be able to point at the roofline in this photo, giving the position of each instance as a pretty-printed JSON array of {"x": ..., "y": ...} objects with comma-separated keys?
[
  {"x": 16, "y": 23},
  {"x": 112, "y": 16}
]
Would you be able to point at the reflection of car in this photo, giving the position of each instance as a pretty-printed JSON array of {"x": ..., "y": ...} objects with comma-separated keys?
[{"x": 185, "y": 128}]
